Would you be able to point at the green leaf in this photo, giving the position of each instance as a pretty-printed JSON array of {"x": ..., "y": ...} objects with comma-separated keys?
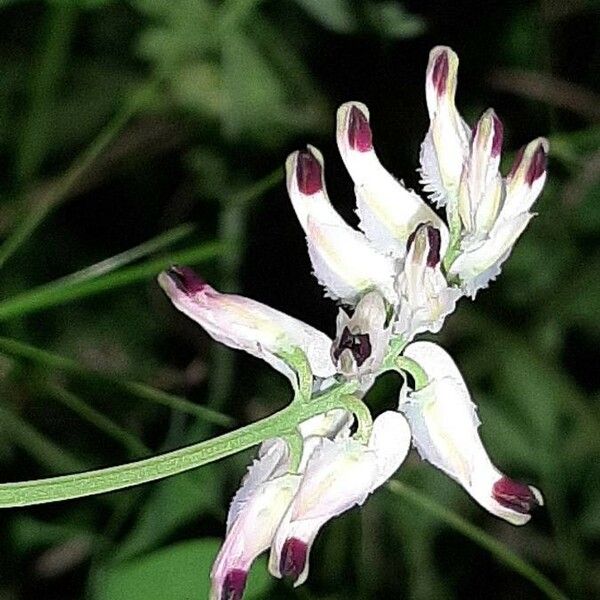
[
  {"x": 62, "y": 291},
  {"x": 332, "y": 14},
  {"x": 391, "y": 20},
  {"x": 178, "y": 572}
]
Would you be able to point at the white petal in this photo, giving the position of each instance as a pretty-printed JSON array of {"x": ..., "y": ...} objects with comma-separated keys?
[
  {"x": 480, "y": 262},
  {"x": 425, "y": 296},
  {"x": 526, "y": 179},
  {"x": 481, "y": 191},
  {"x": 245, "y": 324},
  {"x": 272, "y": 462},
  {"x": 338, "y": 476},
  {"x": 444, "y": 425},
  {"x": 344, "y": 261},
  {"x": 390, "y": 440},
  {"x": 446, "y": 145},
  {"x": 251, "y": 533},
  {"x": 388, "y": 212}
]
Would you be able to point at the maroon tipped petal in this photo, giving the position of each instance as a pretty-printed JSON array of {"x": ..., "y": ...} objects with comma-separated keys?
[
  {"x": 439, "y": 73},
  {"x": 538, "y": 165},
  {"x": 517, "y": 162},
  {"x": 308, "y": 173},
  {"x": 435, "y": 241},
  {"x": 360, "y": 136},
  {"x": 186, "y": 279},
  {"x": 293, "y": 558},
  {"x": 234, "y": 584},
  {"x": 514, "y": 495},
  {"x": 498, "y": 136}
]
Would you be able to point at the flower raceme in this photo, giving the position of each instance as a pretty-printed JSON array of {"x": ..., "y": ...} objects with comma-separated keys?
[{"x": 399, "y": 275}]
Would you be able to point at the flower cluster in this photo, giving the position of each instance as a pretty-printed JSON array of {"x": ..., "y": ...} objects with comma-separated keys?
[{"x": 400, "y": 275}]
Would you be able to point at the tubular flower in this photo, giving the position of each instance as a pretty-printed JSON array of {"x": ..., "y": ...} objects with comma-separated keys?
[
  {"x": 339, "y": 475},
  {"x": 399, "y": 276},
  {"x": 388, "y": 212},
  {"x": 425, "y": 296},
  {"x": 245, "y": 324},
  {"x": 343, "y": 260},
  {"x": 460, "y": 169},
  {"x": 495, "y": 210},
  {"x": 444, "y": 424},
  {"x": 362, "y": 340},
  {"x": 262, "y": 501}
]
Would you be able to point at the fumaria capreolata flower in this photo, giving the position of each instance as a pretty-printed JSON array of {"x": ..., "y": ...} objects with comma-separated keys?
[{"x": 398, "y": 276}]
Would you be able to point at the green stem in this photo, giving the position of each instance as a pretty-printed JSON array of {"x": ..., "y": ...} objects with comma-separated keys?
[
  {"x": 60, "y": 292},
  {"x": 129, "y": 441},
  {"x": 403, "y": 363},
  {"x": 24, "y": 351},
  {"x": 363, "y": 416},
  {"x": 52, "y": 57},
  {"x": 78, "y": 485},
  {"x": 499, "y": 550}
]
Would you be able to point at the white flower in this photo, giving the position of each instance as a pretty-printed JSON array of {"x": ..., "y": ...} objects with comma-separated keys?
[
  {"x": 459, "y": 169},
  {"x": 394, "y": 274},
  {"x": 496, "y": 210},
  {"x": 262, "y": 500},
  {"x": 446, "y": 145},
  {"x": 444, "y": 424},
  {"x": 388, "y": 212},
  {"x": 425, "y": 297},
  {"x": 245, "y": 324},
  {"x": 344, "y": 261},
  {"x": 362, "y": 340},
  {"x": 339, "y": 475}
]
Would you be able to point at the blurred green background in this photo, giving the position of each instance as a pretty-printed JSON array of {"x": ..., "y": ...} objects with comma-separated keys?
[{"x": 152, "y": 131}]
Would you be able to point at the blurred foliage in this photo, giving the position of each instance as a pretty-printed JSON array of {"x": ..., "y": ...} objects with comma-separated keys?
[{"x": 133, "y": 134}]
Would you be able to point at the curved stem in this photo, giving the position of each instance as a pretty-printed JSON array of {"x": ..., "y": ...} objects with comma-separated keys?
[
  {"x": 77, "y": 485},
  {"x": 413, "y": 368},
  {"x": 363, "y": 416}
]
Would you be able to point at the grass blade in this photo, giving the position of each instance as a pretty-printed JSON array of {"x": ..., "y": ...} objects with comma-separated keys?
[
  {"x": 108, "y": 265},
  {"x": 129, "y": 441},
  {"x": 477, "y": 535},
  {"x": 60, "y": 292},
  {"x": 24, "y": 351}
]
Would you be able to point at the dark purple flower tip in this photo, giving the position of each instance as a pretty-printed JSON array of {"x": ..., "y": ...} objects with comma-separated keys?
[
  {"x": 514, "y": 495},
  {"x": 359, "y": 345},
  {"x": 517, "y": 162},
  {"x": 186, "y": 279},
  {"x": 234, "y": 584},
  {"x": 435, "y": 241},
  {"x": 538, "y": 164},
  {"x": 439, "y": 74},
  {"x": 360, "y": 136},
  {"x": 498, "y": 135},
  {"x": 293, "y": 558},
  {"x": 308, "y": 173}
]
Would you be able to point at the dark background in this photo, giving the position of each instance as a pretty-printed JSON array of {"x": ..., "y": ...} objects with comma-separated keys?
[{"x": 120, "y": 121}]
